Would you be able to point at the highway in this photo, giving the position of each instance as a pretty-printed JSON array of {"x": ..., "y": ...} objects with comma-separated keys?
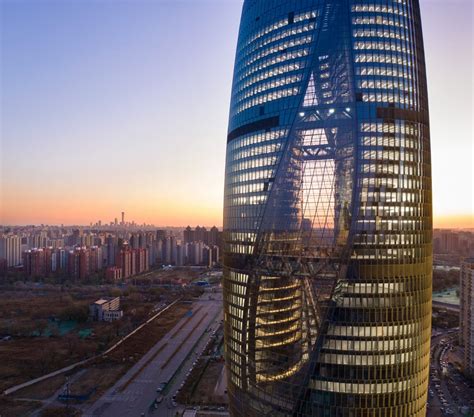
[{"x": 169, "y": 360}]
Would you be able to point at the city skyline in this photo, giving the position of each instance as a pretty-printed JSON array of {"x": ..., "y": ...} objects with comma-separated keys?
[
  {"x": 242, "y": 208},
  {"x": 89, "y": 111}
]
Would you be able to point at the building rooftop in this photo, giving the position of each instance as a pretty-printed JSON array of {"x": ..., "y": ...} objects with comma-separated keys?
[{"x": 103, "y": 300}]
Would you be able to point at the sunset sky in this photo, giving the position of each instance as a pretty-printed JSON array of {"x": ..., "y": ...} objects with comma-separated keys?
[{"x": 110, "y": 106}]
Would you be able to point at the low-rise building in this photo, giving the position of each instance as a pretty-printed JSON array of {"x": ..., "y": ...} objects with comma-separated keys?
[
  {"x": 112, "y": 315},
  {"x": 106, "y": 309}
]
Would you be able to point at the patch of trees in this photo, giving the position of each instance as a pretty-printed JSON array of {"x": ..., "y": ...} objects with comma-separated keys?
[
  {"x": 443, "y": 280},
  {"x": 76, "y": 311}
]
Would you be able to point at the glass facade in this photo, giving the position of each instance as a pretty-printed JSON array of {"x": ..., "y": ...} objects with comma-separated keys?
[{"x": 327, "y": 211}]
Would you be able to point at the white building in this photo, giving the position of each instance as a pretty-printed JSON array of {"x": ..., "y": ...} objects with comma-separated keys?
[
  {"x": 10, "y": 249},
  {"x": 106, "y": 309},
  {"x": 111, "y": 315}
]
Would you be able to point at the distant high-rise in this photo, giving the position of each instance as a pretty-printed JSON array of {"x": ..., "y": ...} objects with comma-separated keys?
[
  {"x": 213, "y": 236},
  {"x": 123, "y": 218},
  {"x": 34, "y": 262},
  {"x": 188, "y": 235},
  {"x": 160, "y": 234},
  {"x": 466, "y": 322},
  {"x": 10, "y": 249},
  {"x": 327, "y": 211}
]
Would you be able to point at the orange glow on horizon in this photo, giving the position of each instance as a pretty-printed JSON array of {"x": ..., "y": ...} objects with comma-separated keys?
[
  {"x": 460, "y": 221},
  {"x": 166, "y": 214},
  {"x": 20, "y": 205},
  {"x": 76, "y": 214}
]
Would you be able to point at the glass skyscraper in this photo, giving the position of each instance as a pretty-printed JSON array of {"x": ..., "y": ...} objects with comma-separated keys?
[{"x": 327, "y": 212}]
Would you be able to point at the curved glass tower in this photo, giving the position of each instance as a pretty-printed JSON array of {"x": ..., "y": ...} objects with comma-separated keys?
[{"x": 327, "y": 217}]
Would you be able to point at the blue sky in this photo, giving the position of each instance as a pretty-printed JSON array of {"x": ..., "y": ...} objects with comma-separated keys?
[{"x": 112, "y": 105}]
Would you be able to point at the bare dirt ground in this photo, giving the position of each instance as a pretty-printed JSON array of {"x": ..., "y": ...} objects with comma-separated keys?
[
  {"x": 103, "y": 373},
  {"x": 33, "y": 350},
  {"x": 42, "y": 391},
  {"x": 12, "y": 408},
  {"x": 201, "y": 383},
  {"x": 204, "y": 393}
]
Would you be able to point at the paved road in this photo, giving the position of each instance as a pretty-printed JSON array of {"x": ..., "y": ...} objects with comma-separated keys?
[
  {"x": 435, "y": 403},
  {"x": 447, "y": 306},
  {"x": 187, "y": 339}
]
